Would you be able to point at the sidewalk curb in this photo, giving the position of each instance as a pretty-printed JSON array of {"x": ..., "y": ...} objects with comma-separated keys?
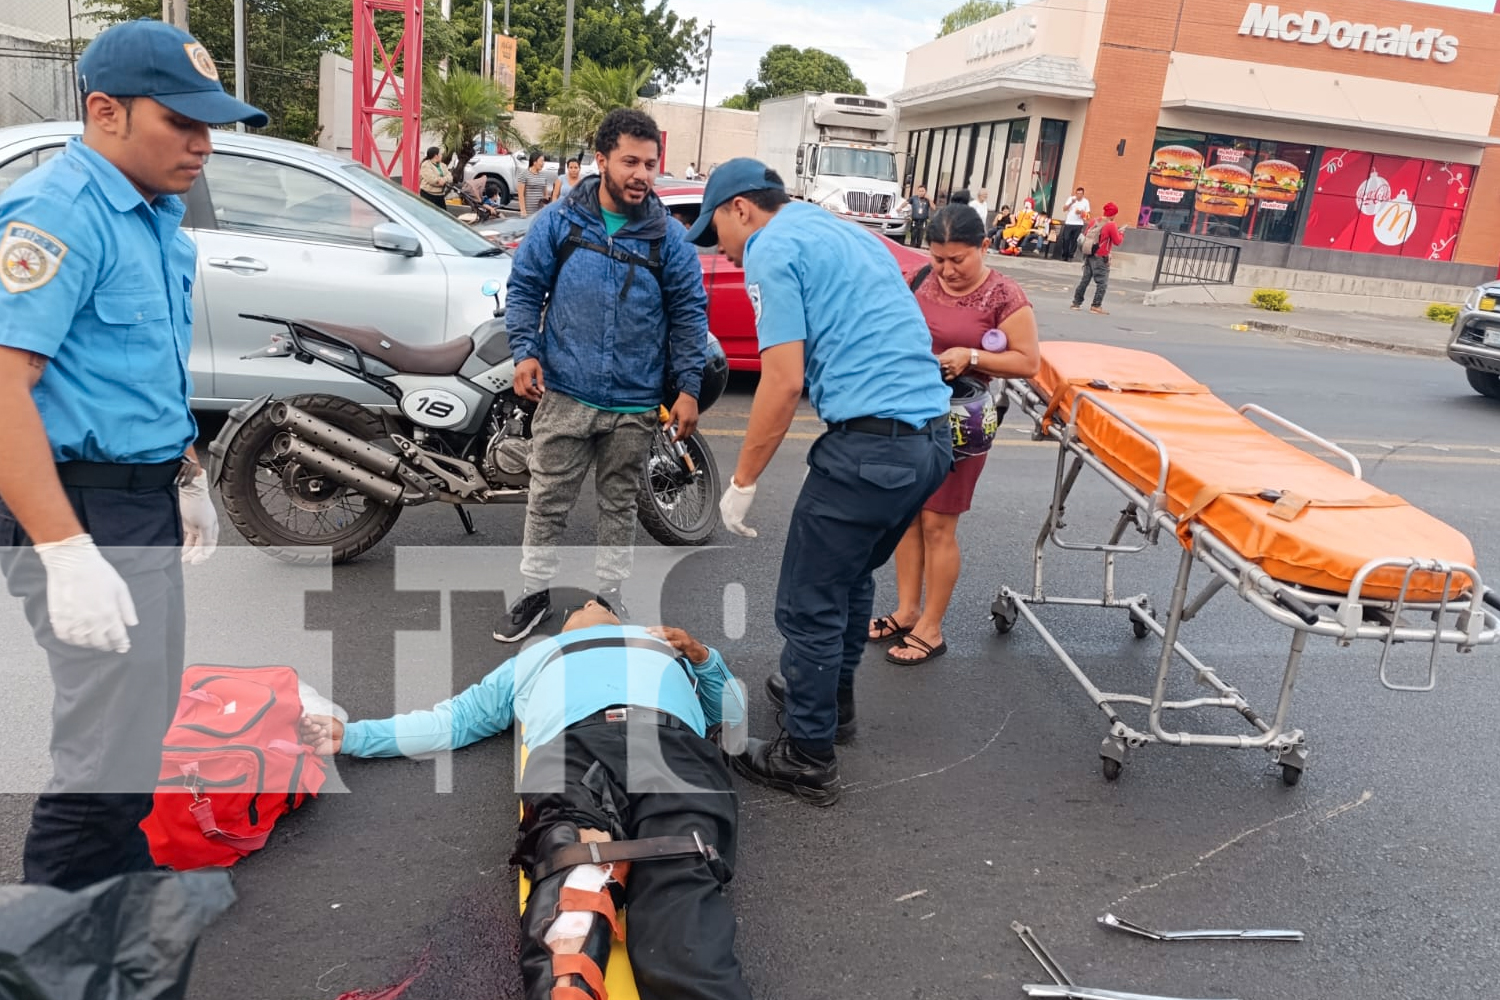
[{"x": 1322, "y": 337}]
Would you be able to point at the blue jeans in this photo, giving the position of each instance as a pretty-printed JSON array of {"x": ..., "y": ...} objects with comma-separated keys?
[{"x": 861, "y": 492}]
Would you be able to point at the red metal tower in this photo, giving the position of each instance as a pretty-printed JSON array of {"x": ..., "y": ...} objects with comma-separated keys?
[{"x": 388, "y": 84}]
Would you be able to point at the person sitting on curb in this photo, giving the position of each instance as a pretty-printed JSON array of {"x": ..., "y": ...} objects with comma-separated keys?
[{"x": 625, "y": 799}]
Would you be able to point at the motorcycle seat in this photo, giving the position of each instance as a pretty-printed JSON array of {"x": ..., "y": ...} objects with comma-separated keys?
[{"x": 438, "y": 359}]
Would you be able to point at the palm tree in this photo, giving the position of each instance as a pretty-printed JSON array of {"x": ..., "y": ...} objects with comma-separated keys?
[
  {"x": 595, "y": 91},
  {"x": 457, "y": 109}
]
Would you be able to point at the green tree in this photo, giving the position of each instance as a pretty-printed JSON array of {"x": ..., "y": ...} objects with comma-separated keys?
[
  {"x": 284, "y": 39},
  {"x": 594, "y": 92},
  {"x": 611, "y": 33},
  {"x": 456, "y": 110},
  {"x": 786, "y": 69},
  {"x": 971, "y": 13}
]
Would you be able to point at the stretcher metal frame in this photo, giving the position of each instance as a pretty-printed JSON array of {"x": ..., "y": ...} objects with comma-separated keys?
[{"x": 1464, "y": 622}]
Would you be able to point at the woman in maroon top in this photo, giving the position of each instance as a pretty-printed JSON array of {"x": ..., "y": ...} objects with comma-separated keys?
[{"x": 962, "y": 300}]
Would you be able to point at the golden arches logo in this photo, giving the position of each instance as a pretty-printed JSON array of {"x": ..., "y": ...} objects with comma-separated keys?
[{"x": 1396, "y": 218}]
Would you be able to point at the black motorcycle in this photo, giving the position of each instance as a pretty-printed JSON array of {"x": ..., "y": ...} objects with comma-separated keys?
[{"x": 317, "y": 477}]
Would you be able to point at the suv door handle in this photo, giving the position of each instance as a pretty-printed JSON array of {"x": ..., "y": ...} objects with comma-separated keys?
[{"x": 238, "y": 263}]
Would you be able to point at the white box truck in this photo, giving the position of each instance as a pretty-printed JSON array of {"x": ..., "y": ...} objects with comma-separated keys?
[{"x": 837, "y": 151}]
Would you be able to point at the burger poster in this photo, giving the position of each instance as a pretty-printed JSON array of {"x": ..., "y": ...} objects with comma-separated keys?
[
  {"x": 1231, "y": 182},
  {"x": 1394, "y": 206}
]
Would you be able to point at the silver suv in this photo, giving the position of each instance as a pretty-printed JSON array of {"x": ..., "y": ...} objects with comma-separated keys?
[
  {"x": 297, "y": 231},
  {"x": 1475, "y": 343}
]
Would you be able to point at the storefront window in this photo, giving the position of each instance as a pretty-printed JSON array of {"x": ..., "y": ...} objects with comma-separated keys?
[
  {"x": 1015, "y": 153},
  {"x": 982, "y": 157},
  {"x": 1225, "y": 186},
  {"x": 1048, "y": 157}
]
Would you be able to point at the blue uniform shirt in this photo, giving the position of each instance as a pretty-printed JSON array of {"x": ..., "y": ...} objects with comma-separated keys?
[
  {"x": 100, "y": 282},
  {"x": 815, "y": 278},
  {"x": 547, "y": 700}
]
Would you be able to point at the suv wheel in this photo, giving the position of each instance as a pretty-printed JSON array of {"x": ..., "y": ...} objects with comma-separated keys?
[{"x": 1484, "y": 383}]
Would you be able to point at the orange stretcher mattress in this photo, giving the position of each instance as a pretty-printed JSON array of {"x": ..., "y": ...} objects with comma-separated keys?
[{"x": 1324, "y": 525}]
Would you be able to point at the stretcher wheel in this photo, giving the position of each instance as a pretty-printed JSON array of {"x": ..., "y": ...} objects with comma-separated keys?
[
  {"x": 1004, "y": 612},
  {"x": 1290, "y": 775},
  {"x": 1111, "y": 768},
  {"x": 1138, "y": 628}
]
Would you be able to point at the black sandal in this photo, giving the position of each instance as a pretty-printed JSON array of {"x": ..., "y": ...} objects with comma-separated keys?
[
  {"x": 928, "y": 651},
  {"x": 889, "y": 629}
]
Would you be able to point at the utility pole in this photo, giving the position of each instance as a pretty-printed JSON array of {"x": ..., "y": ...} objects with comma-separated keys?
[
  {"x": 239, "y": 52},
  {"x": 487, "y": 58},
  {"x": 568, "y": 47},
  {"x": 708, "y": 58},
  {"x": 175, "y": 12},
  {"x": 507, "y": 16}
]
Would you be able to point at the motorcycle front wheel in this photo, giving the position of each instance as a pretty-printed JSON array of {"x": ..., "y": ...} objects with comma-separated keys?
[
  {"x": 295, "y": 512},
  {"x": 678, "y": 506}
]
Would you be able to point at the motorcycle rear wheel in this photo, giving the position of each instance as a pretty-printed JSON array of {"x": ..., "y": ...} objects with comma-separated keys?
[
  {"x": 294, "y": 512},
  {"x": 675, "y": 507}
]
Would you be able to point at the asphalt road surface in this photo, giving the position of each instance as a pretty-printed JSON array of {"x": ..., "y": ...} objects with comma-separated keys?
[{"x": 974, "y": 797}]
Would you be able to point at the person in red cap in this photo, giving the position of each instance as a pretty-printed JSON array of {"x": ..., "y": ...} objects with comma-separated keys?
[
  {"x": 101, "y": 495},
  {"x": 1101, "y": 238}
]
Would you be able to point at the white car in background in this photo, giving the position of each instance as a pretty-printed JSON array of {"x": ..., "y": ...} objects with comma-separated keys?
[
  {"x": 507, "y": 168},
  {"x": 295, "y": 231}
]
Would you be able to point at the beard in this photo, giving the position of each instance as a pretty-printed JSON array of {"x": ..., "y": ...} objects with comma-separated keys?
[{"x": 632, "y": 210}]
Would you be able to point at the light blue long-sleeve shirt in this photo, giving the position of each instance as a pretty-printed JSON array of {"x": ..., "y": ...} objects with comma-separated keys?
[{"x": 547, "y": 697}]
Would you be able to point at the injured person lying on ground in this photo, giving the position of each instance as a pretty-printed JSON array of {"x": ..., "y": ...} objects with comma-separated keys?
[{"x": 626, "y": 801}]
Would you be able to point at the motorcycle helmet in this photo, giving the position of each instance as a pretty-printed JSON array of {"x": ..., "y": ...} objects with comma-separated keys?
[
  {"x": 974, "y": 417},
  {"x": 715, "y": 377}
]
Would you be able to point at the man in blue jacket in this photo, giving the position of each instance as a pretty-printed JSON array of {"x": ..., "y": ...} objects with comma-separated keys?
[
  {"x": 605, "y": 302},
  {"x": 625, "y": 798}
]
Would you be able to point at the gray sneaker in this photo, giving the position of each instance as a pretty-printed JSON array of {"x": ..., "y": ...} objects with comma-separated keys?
[
  {"x": 613, "y": 602},
  {"x": 526, "y": 614}
]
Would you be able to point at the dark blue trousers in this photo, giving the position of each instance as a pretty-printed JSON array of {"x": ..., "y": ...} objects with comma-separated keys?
[
  {"x": 861, "y": 493},
  {"x": 109, "y": 710}
]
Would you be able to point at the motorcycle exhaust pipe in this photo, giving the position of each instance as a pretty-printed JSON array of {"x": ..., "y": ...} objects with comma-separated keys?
[
  {"x": 345, "y": 473},
  {"x": 339, "y": 442}
]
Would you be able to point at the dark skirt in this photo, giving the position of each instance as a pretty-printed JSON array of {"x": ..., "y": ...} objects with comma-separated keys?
[{"x": 957, "y": 492}]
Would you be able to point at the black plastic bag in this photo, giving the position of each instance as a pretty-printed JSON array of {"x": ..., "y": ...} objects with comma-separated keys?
[{"x": 130, "y": 937}]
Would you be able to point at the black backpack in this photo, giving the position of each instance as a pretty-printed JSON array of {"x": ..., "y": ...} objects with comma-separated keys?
[{"x": 652, "y": 262}]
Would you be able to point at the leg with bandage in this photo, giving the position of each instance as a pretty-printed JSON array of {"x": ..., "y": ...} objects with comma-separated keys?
[{"x": 570, "y": 921}]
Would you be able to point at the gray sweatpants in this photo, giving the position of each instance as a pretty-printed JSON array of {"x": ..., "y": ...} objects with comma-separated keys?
[{"x": 566, "y": 438}]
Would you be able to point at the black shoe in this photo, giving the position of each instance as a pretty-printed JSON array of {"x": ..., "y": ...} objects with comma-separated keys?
[
  {"x": 526, "y": 614},
  {"x": 612, "y": 602},
  {"x": 781, "y": 765},
  {"x": 776, "y": 691}
]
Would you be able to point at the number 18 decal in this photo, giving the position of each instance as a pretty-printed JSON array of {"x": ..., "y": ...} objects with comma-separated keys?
[{"x": 435, "y": 408}]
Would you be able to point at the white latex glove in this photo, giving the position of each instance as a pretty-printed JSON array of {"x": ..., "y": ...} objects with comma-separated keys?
[
  {"x": 735, "y": 505},
  {"x": 87, "y": 601},
  {"x": 200, "y": 522}
]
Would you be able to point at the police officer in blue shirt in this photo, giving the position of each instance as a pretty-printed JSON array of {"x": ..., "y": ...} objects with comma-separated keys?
[
  {"x": 831, "y": 309},
  {"x": 101, "y": 497}
]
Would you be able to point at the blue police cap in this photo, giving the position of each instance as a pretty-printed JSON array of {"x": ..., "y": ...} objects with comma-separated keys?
[
  {"x": 736, "y": 177},
  {"x": 147, "y": 58}
]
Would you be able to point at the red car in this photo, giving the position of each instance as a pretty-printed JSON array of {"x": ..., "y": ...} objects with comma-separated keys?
[{"x": 729, "y": 314}]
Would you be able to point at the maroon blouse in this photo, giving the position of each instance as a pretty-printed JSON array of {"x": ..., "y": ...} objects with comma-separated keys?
[{"x": 964, "y": 320}]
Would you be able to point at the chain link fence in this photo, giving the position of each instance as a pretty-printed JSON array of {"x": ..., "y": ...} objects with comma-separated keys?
[{"x": 39, "y": 45}]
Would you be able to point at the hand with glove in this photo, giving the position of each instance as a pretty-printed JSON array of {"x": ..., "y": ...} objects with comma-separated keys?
[
  {"x": 735, "y": 505},
  {"x": 200, "y": 522},
  {"x": 87, "y": 601}
]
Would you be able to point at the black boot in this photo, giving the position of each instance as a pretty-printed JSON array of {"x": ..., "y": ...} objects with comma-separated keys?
[
  {"x": 776, "y": 691},
  {"x": 782, "y": 765}
]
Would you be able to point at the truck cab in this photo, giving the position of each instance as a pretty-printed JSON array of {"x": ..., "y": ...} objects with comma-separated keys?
[{"x": 837, "y": 151}]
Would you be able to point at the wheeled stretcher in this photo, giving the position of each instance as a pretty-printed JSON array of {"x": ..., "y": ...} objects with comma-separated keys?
[{"x": 1308, "y": 544}]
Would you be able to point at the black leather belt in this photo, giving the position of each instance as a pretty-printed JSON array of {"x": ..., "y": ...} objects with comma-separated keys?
[
  {"x": 113, "y": 476},
  {"x": 632, "y": 714},
  {"x": 885, "y": 426}
]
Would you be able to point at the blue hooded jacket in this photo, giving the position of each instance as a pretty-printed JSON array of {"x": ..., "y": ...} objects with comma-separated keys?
[{"x": 610, "y": 332}]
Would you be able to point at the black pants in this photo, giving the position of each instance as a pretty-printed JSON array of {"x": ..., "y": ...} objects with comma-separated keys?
[
  {"x": 109, "y": 710},
  {"x": 1067, "y": 242},
  {"x": 860, "y": 494},
  {"x": 916, "y": 233},
  {"x": 436, "y": 199},
  {"x": 637, "y": 781},
  {"x": 1095, "y": 269}
]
